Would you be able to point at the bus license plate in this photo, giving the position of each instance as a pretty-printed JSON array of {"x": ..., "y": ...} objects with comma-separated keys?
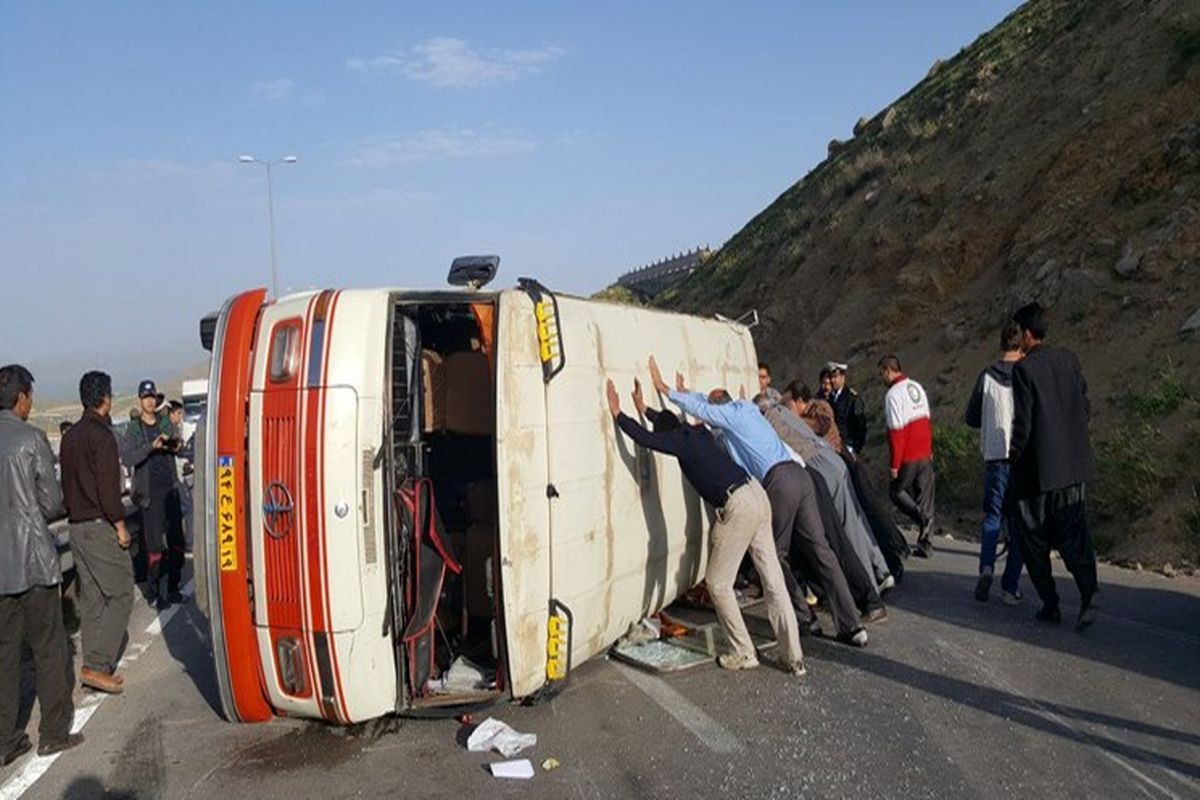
[{"x": 227, "y": 535}]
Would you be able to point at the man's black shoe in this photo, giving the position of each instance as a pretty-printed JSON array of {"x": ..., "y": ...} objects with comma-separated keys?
[
  {"x": 855, "y": 638},
  {"x": 176, "y": 598},
  {"x": 16, "y": 751},
  {"x": 50, "y": 748},
  {"x": 1087, "y": 615},
  {"x": 983, "y": 587},
  {"x": 922, "y": 549},
  {"x": 1050, "y": 615},
  {"x": 810, "y": 627}
]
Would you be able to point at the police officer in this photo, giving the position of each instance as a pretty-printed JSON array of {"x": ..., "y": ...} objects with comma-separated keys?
[{"x": 848, "y": 409}]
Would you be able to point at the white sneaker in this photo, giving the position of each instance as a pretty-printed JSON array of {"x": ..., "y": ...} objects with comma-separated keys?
[
  {"x": 796, "y": 667},
  {"x": 887, "y": 584},
  {"x": 734, "y": 662},
  {"x": 1011, "y": 598}
]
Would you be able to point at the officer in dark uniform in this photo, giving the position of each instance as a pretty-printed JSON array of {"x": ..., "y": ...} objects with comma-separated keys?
[{"x": 848, "y": 409}]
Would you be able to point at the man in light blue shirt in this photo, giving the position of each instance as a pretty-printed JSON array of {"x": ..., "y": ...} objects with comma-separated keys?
[
  {"x": 751, "y": 440},
  {"x": 756, "y": 447}
]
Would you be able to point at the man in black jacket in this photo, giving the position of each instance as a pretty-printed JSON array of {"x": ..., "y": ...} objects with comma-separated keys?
[
  {"x": 1051, "y": 465},
  {"x": 848, "y": 409},
  {"x": 149, "y": 446}
]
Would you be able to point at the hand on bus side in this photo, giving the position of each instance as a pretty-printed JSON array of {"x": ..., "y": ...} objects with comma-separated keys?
[
  {"x": 656, "y": 378},
  {"x": 614, "y": 402},
  {"x": 638, "y": 401}
]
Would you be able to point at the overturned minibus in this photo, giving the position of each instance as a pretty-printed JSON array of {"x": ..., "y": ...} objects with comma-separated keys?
[{"x": 399, "y": 483}]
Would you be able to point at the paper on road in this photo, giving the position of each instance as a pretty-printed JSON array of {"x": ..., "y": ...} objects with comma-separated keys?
[
  {"x": 492, "y": 734},
  {"x": 521, "y": 768}
]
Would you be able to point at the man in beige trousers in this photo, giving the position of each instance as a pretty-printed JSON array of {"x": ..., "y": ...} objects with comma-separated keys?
[{"x": 743, "y": 524}]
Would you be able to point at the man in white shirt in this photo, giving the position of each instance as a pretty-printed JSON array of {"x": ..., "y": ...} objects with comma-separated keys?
[{"x": 990, "y": 411}]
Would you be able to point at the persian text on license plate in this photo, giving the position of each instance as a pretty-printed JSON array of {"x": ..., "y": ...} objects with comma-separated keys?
[{"x": 227, "y": 533}]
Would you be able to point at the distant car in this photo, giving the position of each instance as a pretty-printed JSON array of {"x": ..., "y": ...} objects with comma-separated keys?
[
  {"x": 119, "y": 431},
  {"x": 195, "y": 404}
]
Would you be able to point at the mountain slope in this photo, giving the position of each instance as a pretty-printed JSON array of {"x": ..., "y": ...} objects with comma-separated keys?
[{"x": 1057, "y": 158}]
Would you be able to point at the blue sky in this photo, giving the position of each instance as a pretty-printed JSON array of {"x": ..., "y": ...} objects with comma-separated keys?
[{"x": 575, "y": 140}]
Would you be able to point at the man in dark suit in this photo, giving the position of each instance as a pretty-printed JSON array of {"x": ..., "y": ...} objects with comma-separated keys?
[
  {"x": 1051, "y": 465},
  {"x": 848, "y": 410}
]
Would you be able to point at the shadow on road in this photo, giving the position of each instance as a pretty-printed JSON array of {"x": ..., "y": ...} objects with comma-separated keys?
[
  {"x": 186, "y": 637},
  {"x": 1130, "y": 615},
  {"x": 187, "y": 642},
  {"x": 90, "y": 787},
  {"x": 1028, "y": 712}
]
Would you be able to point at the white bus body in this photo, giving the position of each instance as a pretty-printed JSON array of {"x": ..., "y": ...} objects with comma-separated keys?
[{"x": 327, "y": 601}]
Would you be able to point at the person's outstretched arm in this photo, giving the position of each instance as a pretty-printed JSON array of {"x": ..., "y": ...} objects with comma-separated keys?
[
  {"x": 696, "y": 404},
  {"x": 670, "y": 442},
  {"x": 974, "y": 415}
]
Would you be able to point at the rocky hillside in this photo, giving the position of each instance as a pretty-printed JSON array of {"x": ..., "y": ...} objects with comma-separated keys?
[{"x": 1057, "y": 158}]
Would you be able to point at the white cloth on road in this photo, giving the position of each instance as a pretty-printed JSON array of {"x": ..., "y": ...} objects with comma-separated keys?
[{"x": 492, "y": 734}]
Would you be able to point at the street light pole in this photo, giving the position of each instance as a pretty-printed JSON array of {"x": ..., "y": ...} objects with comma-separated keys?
[
  {"x": 271, "y": 224},
  {"x": 267, "y": 164}
]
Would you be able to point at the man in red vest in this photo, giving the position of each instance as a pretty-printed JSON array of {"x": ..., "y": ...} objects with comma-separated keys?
[{"x": 910, "y": 441}]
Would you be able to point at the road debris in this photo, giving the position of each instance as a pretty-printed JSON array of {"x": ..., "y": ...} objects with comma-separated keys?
[
  {"x": 492, "y": 734},
  {"x": 522, "y": 769},
  {"x": 669, "y": 627},
  {"x": 466, "y": 676}
]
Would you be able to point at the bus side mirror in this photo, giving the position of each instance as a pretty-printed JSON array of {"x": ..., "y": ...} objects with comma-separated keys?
[
  {"x": 473, "y": 271},
  {"x": 208, "y": 330}
]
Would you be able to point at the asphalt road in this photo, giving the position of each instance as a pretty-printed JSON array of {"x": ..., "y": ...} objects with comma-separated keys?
[{"x": 951, "y": 699}]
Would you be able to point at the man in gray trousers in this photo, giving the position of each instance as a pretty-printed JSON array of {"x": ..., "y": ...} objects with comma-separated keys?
[
  {"x": 795, "y": 518},
  {"x": 91, "y": 476},
  {"x": 30, "y": 575},
  {"x": 818, "y": 455}
]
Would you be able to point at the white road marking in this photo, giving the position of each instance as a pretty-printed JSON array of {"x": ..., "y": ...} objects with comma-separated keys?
[
  {"x": 1186, "y": 781},
  {"x": 1120, "y": 762},
  {"x": 35, "y": 766},
  {"x": 711, "y": 733},
  {"x": 1145, "y": 792}
]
